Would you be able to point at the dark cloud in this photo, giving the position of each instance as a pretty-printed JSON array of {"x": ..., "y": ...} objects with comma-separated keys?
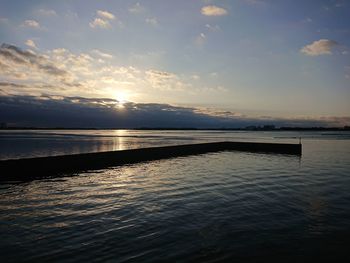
[
  {"x": 58, "y": 111},
  {"x": 17, "y": 50},
  {"x": 21, "y": 57},
  {"x": 103, "y": 112},
  {"x": 52, "y": 70},
  {"x": 6, "y": 54}
]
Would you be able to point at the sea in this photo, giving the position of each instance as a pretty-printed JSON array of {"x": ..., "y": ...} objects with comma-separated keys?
[{"x": 227, "y": 206}]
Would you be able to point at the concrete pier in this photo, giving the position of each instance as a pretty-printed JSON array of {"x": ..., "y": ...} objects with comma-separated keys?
[{"x": 41, "y": 167}]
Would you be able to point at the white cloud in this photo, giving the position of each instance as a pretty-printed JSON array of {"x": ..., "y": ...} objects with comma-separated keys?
[
  {"x": 65, "y": 73},
  {"x": 152, "y": 21},
  {"x": 164, "y": 81},
  {"x": 136, "y": 9},
  {"x": 319, "y": 47},
  {"x": 212, "y": 10},
  {"x": 102, "y": 54},
  {"x": 59, "y": 51},
  {"x": 20, "y": 64},
  {"x": 105, "y": 15},
  {"x": 31, "y": 23},
  {"x": 31, "y": 43},
  {"x": 200, "y": 40},
  {"x": 213, "y": 28},
  {"x": 98, "y": 22},
  {"x": 102, "y": 19},
  {"x": 47, "y": 12}
]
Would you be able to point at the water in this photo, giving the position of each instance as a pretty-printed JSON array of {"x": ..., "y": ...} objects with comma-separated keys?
[
  {"x": 34, "y": 143},
  {"x": 228, "y": 206}
]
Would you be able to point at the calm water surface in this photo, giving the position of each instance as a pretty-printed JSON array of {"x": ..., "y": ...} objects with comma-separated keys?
[
  {"x": 207, "y": 208},
  {"x": 35, "y": 143}
]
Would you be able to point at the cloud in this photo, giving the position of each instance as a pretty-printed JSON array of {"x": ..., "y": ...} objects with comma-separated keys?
[
  {"x": 59, "y": 51},
  {"x": 214, "y": 28},
  {"x": 152, "y": 21},
  {"x": 98, "y": 22},
  {"x": 85, "y": 74},
  {"x": 53, "y": 111},
  {"x": 62, "y": 111},
  {"x": 103, "y": 20},
  {"x": 162, "y": 74},
  {"x": 319, "y": 47},
  {"x": 14, "y": 54},
  {"x": 102, "y": 54},
  {"x": 94, "y": 74},
  {"x": 308, "y": 19},
  {"x": 212, "y": 10},
  {"x": 46, "y": 12},
  {"x": 12, "y": 85},
  {"x": 136, "y": 9},
  {"x": 31, "y": 23},
  {"x": 200, "y": 39},
  {"x": 59, "y": 88},
  {"x": 31, "y": 43},
  {"x": 105, "y": 15},
  {"x": 18, "y": 89},
  {"x": 163, "y": 80},
  {"x": 17, "y": 61}
]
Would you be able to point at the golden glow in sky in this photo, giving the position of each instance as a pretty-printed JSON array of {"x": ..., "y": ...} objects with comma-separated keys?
[{"x": 200, "y": 54}]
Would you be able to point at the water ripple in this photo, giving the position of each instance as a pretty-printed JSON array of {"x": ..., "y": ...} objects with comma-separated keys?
[{"x": 206, "y": 208}]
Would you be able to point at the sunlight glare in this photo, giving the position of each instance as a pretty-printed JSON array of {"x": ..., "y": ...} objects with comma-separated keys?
[{"x": 121, "y": 97}]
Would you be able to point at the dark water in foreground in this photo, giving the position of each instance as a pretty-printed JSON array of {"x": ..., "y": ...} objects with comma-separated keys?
[{"x": 227, "y": 206}]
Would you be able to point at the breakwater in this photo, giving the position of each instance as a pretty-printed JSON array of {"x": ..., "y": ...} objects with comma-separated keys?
[{"x": 31, "y": 168}]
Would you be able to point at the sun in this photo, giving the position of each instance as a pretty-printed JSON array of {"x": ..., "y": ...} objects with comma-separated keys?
[{"x": 122, "y": 98}]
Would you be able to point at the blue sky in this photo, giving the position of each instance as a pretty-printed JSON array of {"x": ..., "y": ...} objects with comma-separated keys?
[{"x": 256, "y": 58}]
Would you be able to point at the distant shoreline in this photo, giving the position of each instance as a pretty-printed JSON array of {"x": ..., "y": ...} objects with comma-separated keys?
[{"x": 258, "y": 128}]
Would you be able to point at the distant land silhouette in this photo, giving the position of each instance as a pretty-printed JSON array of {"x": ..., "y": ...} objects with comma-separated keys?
[{"x": 4, "y": 126}]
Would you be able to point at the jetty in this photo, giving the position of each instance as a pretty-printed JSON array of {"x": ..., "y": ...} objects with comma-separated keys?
[{"x": 43, "y": 167}]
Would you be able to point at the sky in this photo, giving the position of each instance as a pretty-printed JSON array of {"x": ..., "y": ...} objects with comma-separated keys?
[{"x": 163, "y": 63}]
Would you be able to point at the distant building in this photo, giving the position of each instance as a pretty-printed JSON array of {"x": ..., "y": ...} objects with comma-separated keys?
[{"x": 261, "y": 128}]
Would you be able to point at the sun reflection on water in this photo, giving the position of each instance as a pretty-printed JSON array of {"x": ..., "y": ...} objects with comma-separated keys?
[{"x": 119, "y": 140}]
